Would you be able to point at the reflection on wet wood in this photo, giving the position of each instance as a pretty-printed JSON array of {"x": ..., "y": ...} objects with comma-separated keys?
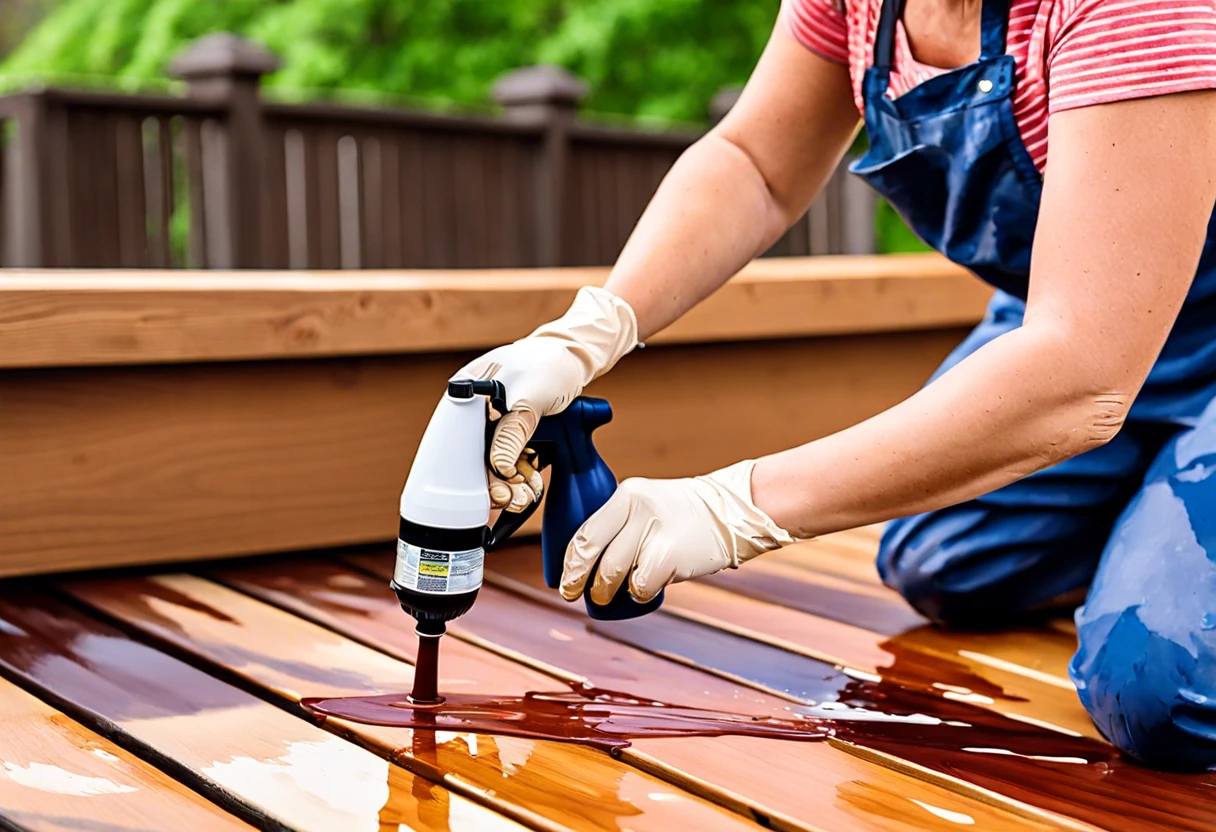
[
  {"x": 59, "y": 776},
  {"x": 923, "y": 658},
  {"x": 256, "y": 759},
  {"x": 1073, "y": 776},
  {"x": 552, "y": 785},
  {"x": 809, "y": 774}
]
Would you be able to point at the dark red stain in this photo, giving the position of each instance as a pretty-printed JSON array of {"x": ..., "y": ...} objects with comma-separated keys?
[
  {"x": 1088, "y": 779},
  {"x": 591, "y": 716}
]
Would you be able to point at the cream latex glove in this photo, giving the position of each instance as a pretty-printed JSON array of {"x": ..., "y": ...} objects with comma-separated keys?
[
  {"x": 542, "y": 374},
  {"x": 657, "y": 532}
]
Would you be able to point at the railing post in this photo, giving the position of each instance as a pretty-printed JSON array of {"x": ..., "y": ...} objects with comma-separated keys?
[
  {"x": 28, "y": 200},
  {"x": 548, "y": 97},
  {"x": 226, "y": 69}
]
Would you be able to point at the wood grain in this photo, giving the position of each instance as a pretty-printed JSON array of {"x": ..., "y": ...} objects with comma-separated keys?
[
  {"x": 1047, "y": 769},
  {"x": 59, "y": 776},
  {"x": 113, "y": 466},
  {"x": 79, "y": 318},
  {"x": 292, "y": 658},
  {"x": 257, "y": 760},
  {"x": 796, "y": 785}
]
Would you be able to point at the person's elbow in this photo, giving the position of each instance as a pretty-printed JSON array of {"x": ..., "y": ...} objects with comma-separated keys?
[
  {"x": 1084, "y": 420},
  {"x": 1088, "y": 401}
]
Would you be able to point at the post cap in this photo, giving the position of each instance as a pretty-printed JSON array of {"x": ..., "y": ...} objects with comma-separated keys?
[
  {"x": 223, "y": 54},
  {"x": 544, "y": 84}
]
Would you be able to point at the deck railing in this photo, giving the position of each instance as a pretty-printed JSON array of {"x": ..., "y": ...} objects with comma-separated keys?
[{"x": 222, "y": 178}]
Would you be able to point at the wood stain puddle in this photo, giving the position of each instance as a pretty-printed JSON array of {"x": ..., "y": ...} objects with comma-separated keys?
[{"x": 591, "y": 716}]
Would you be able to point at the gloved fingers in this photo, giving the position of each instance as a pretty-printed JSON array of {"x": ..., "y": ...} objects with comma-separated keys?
[
  {"x": 520, "y": 491},
  {"x": 511, "y": 435},
  {"x": 500, "y": 493},
  {"x": 479, "y": 369},
  {"x": 656, "y": 568},
  {"x": 526, "y": 466},
  {"x": 590, "y": 541},
  {"x": 620, "y": 558}
]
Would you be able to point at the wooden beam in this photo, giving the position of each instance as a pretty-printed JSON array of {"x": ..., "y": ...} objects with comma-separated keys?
[
  {"x": 89, "y": 318},
  {"x": 124, "y": 465}
]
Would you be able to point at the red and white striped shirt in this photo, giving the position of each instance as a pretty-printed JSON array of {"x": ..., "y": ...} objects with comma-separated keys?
[{"x": 1068, "y": 53}]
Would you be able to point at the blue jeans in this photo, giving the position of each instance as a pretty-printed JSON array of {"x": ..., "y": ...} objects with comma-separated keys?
[{"x": 1135, "y": 522}]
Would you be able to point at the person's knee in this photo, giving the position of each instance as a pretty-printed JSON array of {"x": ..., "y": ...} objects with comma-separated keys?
[
  {"x": 940, "y": 572},
  {"x": 1146, "y": 693}
]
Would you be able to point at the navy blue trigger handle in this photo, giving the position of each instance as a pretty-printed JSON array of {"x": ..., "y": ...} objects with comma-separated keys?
[{"x": 579, "y": 483}]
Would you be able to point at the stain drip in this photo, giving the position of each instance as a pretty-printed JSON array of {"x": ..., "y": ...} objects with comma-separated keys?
[{"x": 426, "y": 673}]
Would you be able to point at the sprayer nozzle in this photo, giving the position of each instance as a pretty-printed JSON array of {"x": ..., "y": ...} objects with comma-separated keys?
[{"x": 430, "y": 627}]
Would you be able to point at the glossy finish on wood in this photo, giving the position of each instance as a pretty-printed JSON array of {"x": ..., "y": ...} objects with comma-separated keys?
[
  {"x": 256, "y": 759},
  {"x": 1073, "y": 776},
  {"x": 58, "y": 776},
  {"x": 779, "y": 779},
  {"x": 290, "y": 658}
]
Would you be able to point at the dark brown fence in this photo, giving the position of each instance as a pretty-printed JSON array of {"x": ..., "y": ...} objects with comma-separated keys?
[{"x": 223, "y": 179}]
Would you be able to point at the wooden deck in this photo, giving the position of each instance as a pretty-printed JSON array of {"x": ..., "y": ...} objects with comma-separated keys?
[{"x": 170, "y": 701}]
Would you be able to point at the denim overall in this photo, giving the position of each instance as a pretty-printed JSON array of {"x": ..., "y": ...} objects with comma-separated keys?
[{"x": 1134, "y": 520}]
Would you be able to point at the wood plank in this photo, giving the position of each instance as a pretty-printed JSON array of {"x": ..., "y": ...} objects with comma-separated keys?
[
  {"x": 291, "y": 658},
  {"x": 791, "y": 578},
  {"x": 138, "y": 464},
  {"x": 82, "y": 318},
  {"x": 60, "y": 776},
  {"x": 795, "y": 783},
  {"x": 932, "y": 660},
  {"x": 1045, "y": 769},
  {"x": 265, "y": 764}
]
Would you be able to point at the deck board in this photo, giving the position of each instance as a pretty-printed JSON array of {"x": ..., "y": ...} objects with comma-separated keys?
[
  {"x": 181, "y": 692},
  {"x": 1109, "y": 792},
  {"x": 809, "y": 773},
  {"x": 252, "y": 638},
  {"x": 58, "y": 776},
  {"x": 271, "y": 767}
]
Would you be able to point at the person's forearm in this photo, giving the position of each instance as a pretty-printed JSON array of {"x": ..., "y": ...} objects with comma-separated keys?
[
  {"x": 711, "y": 216},
  {"x": 1017, "y": 405}
]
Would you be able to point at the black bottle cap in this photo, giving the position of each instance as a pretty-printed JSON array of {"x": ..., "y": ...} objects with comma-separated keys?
[{"x": 461, "y": 388}]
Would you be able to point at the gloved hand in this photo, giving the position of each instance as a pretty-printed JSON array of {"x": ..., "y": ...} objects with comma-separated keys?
[
  {"x": 542, "y": 374},
  {"x": 656, "y": 532}
]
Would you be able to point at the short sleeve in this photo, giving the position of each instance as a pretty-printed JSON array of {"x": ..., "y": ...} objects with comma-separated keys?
[
  {"x": 820, "y": 26},
  {"x": 1102, "y": 51}
]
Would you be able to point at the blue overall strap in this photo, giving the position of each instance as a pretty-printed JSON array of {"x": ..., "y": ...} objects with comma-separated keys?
[
  {"x": 884, "y": 40},
  {"x": 994, "y": 24}
]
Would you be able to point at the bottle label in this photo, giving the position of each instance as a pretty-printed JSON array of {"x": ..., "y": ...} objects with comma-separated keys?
[{"x": 438, "y": 573}]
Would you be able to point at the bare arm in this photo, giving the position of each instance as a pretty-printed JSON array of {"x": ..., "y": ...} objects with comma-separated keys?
[
  {"x": 1127, "y": 196},
  {"x": 736, "y": 191}
]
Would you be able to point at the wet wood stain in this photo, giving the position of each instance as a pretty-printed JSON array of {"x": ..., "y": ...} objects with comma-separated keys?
[{"x": 600, "y": 718}]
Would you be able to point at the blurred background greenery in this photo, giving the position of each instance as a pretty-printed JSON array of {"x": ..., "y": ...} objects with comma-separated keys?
[{"x": 650, "y": 59}]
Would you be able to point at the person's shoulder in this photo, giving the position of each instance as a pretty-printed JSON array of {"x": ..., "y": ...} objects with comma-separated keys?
[{"x": 1102, "y": 51}]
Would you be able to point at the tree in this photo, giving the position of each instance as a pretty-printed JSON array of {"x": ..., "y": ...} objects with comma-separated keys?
[{"x": 662, "y": 58}]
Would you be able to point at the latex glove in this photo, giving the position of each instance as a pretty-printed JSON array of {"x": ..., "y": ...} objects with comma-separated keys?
[
  {"x": 656, "y": 532},
  {"x": 542, "y": 374}
]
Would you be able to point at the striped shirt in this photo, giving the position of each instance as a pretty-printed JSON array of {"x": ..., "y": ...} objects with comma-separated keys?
[{"x": 1068, "y": 53}]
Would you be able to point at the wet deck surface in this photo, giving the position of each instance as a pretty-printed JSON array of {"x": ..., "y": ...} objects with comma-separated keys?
[{"x": 171, "y": 701}]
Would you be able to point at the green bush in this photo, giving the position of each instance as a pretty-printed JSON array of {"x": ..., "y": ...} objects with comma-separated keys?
[{"x": 662, "y": 58}]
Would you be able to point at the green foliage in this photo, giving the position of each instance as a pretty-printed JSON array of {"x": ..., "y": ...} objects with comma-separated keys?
[
  {"x": 894, "y": 236},
  {"x": 662, "y": 58}
]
